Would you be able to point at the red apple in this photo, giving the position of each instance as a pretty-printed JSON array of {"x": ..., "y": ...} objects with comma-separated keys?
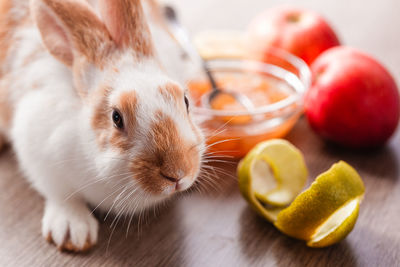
[
  {"x": 301, "y": 32},
  {"x": 353, "y": 100}
]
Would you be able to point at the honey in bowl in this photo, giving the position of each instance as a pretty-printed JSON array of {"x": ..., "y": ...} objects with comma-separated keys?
[{"x": 230, "y": 128}]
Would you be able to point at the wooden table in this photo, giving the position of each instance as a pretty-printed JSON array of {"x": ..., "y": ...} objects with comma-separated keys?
[{"x": 217, "y": 228}]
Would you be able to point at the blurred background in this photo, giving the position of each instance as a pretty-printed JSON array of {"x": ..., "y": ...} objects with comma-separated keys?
[{"x": 371, "y": 26}]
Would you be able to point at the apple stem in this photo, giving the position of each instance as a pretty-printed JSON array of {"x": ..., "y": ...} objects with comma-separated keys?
[{"x": 293, "y": 18}]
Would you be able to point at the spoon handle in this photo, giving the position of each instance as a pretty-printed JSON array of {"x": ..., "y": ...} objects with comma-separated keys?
[{"x": 182, "y": 37}]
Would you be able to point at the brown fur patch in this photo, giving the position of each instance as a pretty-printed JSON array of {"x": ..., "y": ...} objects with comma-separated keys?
[
  {"x": 120, "y": 141},
  {"x": 147, "y": 172},
  {"x": 10, "y": 22},
  {"x": 88, "y": 34},
  {"x": 6, "y": 110},
  {"x": 123, "y": 140},
  {"x": 100, "y": 119},
  {"x": 128, "y": 107},
  {"x": 127, "y": 24},
  {"x": 172, "y": 92},
  {"x": 102, "y": 123},
  {"x": 68, "y": 246},
  {"x": 168, "y": 153},
  {"x": 7, "y": 26}
]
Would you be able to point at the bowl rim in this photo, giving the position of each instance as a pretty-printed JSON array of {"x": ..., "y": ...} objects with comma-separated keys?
[{"x": 300, "y": 83}]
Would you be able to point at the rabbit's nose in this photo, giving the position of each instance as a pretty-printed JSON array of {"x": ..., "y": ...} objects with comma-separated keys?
[{"x": 172, "y": 179}]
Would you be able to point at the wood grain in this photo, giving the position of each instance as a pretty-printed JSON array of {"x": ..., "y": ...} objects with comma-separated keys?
[{"x": 217, "y": 228}]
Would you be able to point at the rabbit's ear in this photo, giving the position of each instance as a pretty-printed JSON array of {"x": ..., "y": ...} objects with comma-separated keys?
[
  {"x": 126, "y": 22},
  {"x": 70, "y": 29}
]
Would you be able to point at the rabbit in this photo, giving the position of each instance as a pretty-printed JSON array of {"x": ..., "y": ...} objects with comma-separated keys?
[{"x": 93, "y": 117}]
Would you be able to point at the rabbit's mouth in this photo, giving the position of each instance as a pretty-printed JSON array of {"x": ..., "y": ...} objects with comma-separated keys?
[
  {"x": 162, "y": 179},
  {"x": 176, "y": 185}
]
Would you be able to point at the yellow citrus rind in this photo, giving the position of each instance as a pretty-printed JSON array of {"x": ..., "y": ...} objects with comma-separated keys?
[{"x": 322, "y": 215}]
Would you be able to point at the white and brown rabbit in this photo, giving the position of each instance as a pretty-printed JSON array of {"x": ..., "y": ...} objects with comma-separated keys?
[{"x": 90, "y": 112}]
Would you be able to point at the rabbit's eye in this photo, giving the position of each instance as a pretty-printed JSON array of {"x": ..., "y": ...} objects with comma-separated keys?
[
  {"x": 187, "y": 103},
  {"x": 117, "y": 119}
]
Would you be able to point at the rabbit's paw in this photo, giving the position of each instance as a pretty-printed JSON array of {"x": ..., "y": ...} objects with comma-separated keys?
[{"x": 71, "y": 227}]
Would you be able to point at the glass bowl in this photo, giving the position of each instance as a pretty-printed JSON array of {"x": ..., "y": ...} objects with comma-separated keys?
[{"x": 234, "y": 132}]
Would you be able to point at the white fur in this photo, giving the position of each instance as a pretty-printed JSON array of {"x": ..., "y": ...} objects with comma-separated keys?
[{"x": 56, "y": 146}]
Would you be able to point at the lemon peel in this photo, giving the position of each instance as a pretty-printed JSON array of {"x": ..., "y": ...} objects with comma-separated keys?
[
  {"x": 286, "y": 167},
  {"x": 327, "y": 236},
  {"x": 271, "y": 177}
]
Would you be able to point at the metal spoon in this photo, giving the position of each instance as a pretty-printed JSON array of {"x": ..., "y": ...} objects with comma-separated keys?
[{"x": 181, "y": 36}]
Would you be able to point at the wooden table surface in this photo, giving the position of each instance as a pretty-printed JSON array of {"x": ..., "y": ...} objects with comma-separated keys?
[{"x": 217, "y": 228}]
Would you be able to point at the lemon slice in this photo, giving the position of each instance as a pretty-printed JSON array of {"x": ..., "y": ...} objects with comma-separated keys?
[
  {"x": 220, "y": 44},
  {"x": 327, "y": 211},
  {"x": 277, "y": 171},
  {"x": 273, "y": 174}
]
